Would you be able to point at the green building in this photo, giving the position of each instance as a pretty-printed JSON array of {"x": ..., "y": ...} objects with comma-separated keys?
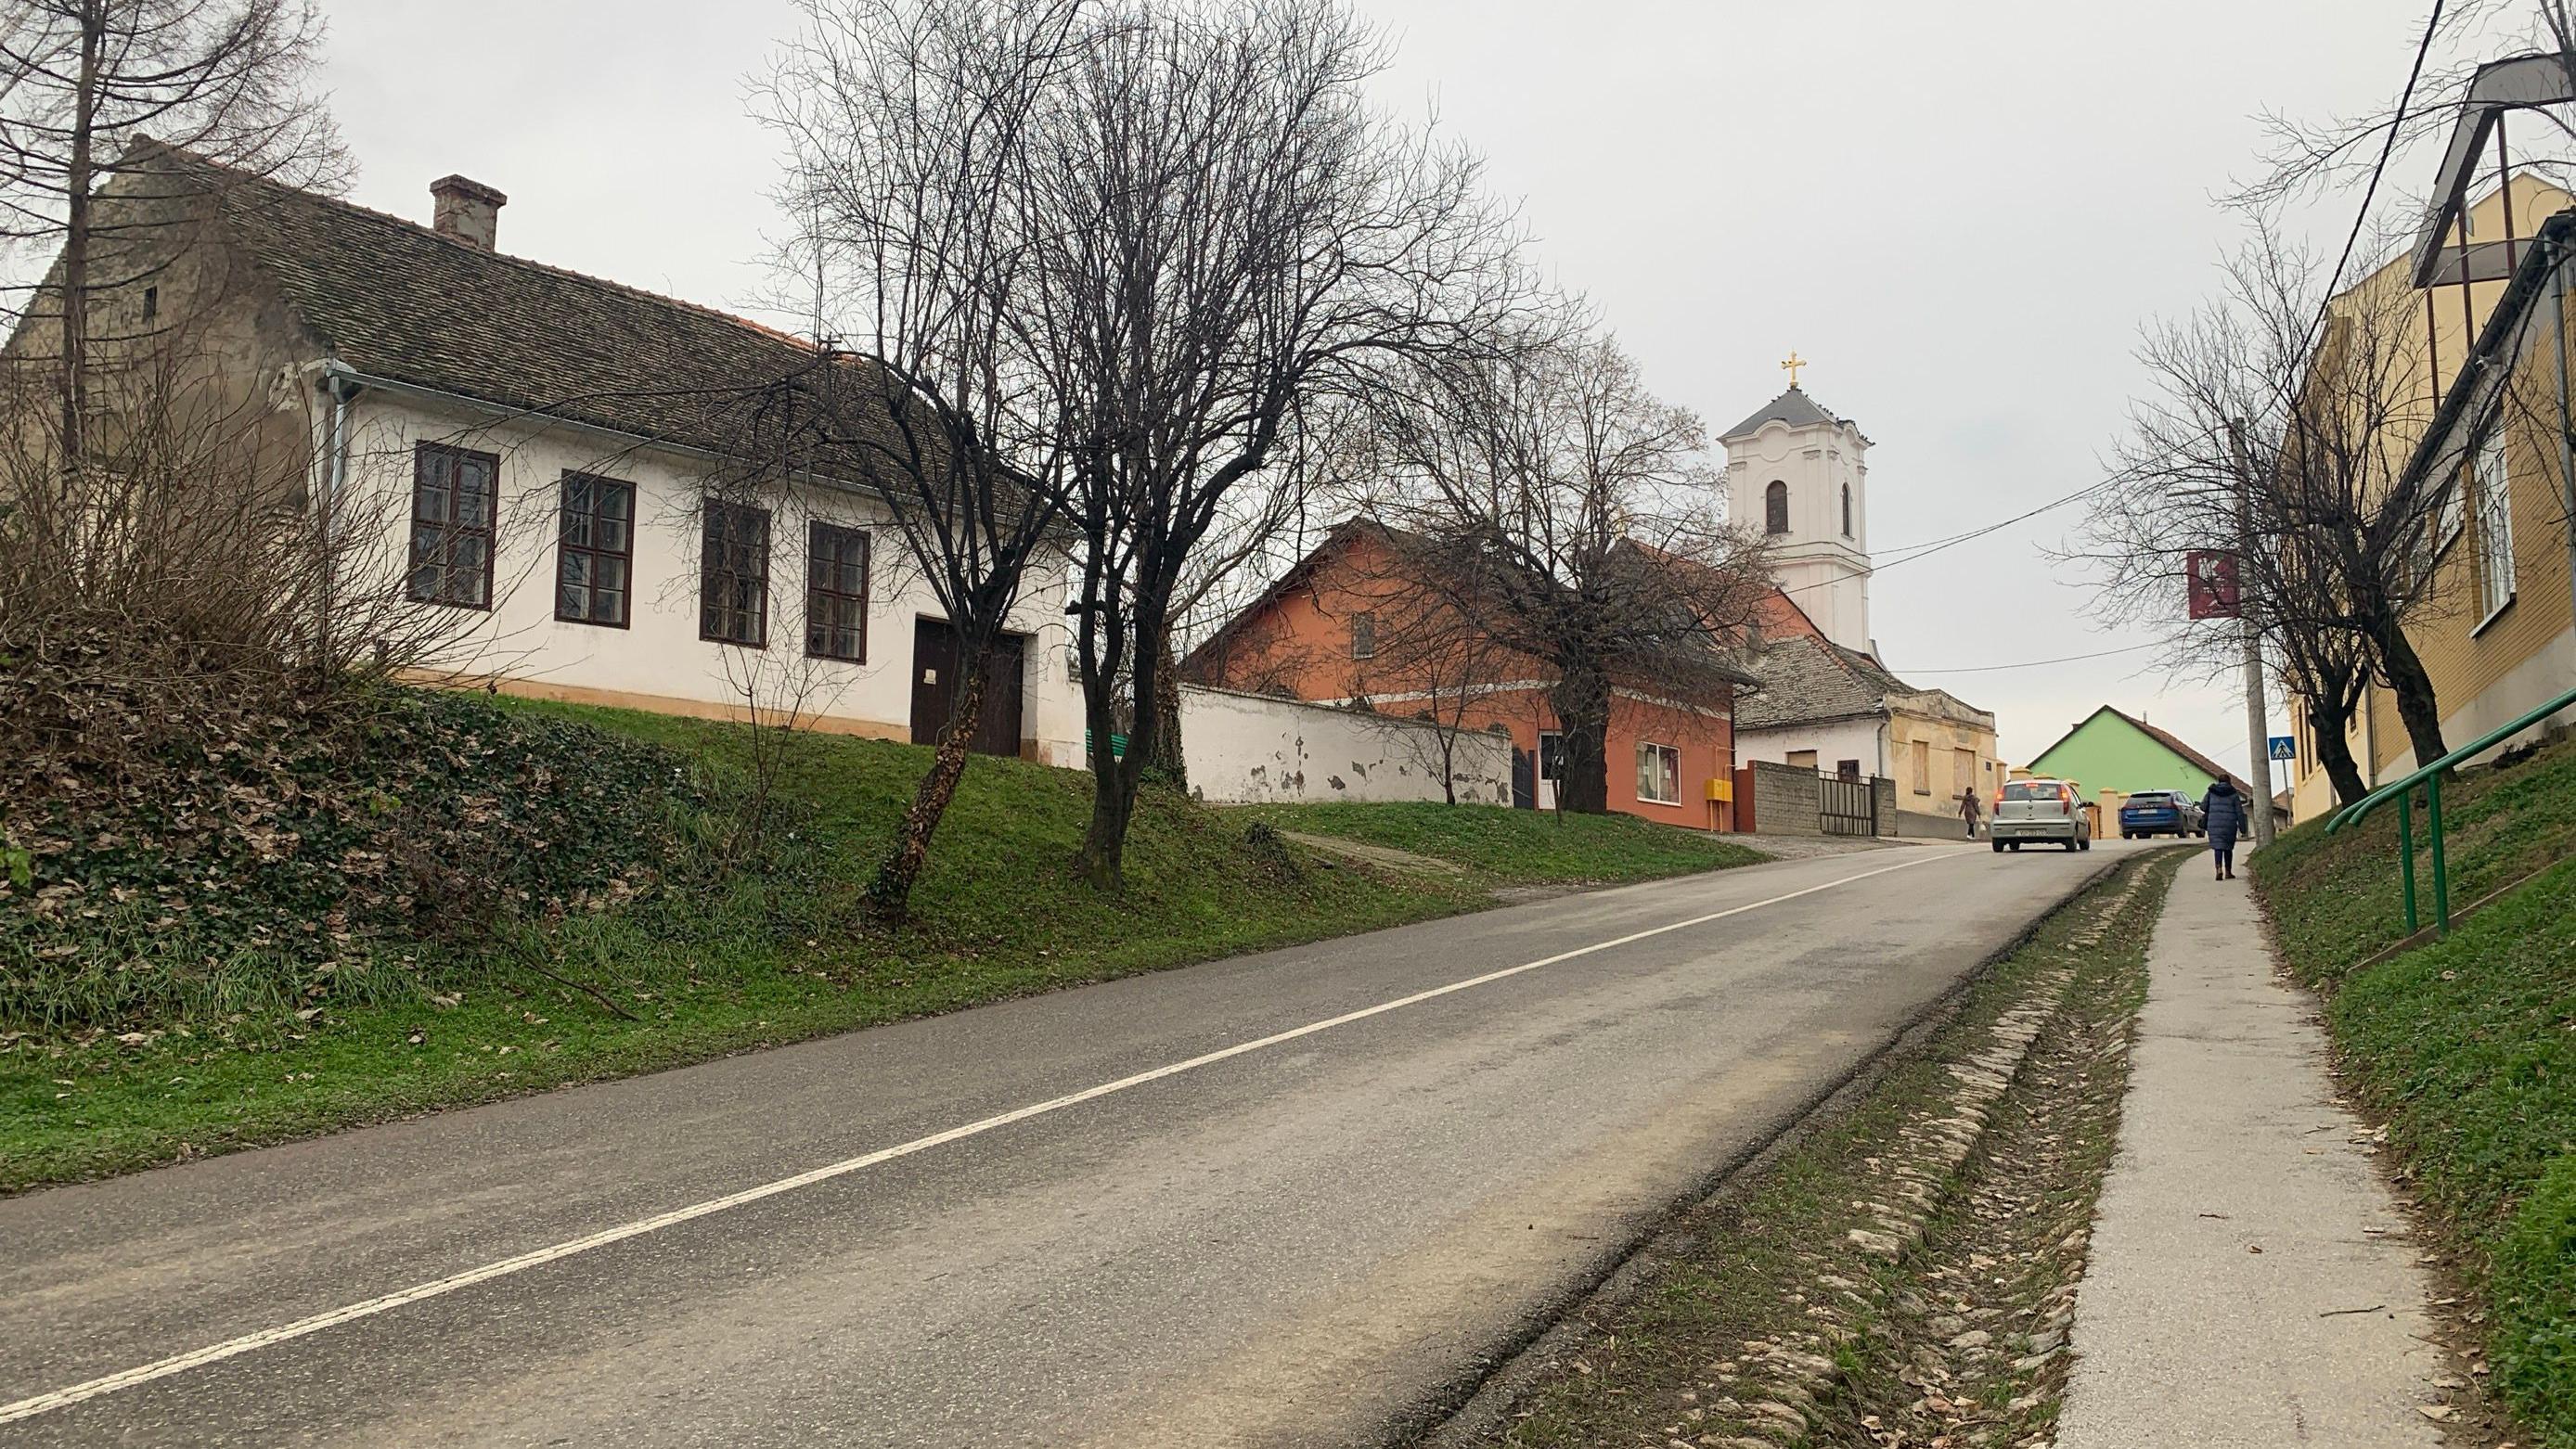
[{"x": 2120, "y": 752}]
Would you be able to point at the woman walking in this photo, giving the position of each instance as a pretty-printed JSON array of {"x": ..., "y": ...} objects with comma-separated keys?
[{"x": 2223, "y": 814}]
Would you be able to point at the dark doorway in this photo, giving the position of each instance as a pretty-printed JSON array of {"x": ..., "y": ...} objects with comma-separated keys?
[
  {"x": 934, "y": 687},
  {"x": 1524, "y": 781}
]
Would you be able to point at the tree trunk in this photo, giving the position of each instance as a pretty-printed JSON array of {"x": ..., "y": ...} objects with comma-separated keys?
[
  {"x": 1167, "y": 762},
  {"x": 2332, "y": 690},
  {"x": 2334, "y": 751},
  {"x": 1581, "y": 699},
  {"x": 1114, "y": 781},
  {"x": 2416, "y": 704},
  {"x": 1101, "y": 860},
  {"x": 76, "y": 240},
  {"x": 890, "y": 890}
]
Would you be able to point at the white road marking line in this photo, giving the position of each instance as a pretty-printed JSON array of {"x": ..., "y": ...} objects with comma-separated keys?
[{"x": 230, "y": 1348}]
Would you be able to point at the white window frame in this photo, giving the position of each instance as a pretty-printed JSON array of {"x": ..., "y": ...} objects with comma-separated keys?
[
  {"x": 2493, "y": 488},
  {"x": 1670, "y": 759}
]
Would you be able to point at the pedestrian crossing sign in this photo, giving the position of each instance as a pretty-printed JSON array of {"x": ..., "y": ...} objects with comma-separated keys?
[{"x": 2284, "y": 747}]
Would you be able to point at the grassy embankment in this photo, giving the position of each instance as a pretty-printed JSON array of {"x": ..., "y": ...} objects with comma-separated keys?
[
  {"x": 2468, "y": 1045},
  {"x": 118, "y": 1052}
]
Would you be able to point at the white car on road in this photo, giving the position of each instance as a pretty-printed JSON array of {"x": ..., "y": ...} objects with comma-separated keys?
[{"x": 2029, "y": 812}]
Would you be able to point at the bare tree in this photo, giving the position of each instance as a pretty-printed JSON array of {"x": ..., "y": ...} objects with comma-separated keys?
[
  {"x": 2302, "y": 155},
  {"x": 208, "y": 580},
  {"x": 910, "y": 126},
  {"x": 83, "y": 83},
  {"x": 1552, "y": 505},
  {"x": 2252, "y": 435},
  {"x": 1234, "y": 232}
]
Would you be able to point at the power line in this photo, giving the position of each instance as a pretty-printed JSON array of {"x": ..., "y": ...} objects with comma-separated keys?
[
  {"x": 2040, "y": 663},
  {"x": 2388, "y": 148},
  {"x": 1910, "y": 552},
  {"x": 2352, "y": 239}
]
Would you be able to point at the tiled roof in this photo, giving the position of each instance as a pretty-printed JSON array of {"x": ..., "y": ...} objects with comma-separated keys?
[
  {"x": 393, "y": 299},
  {"x": 1868, "y": 667},
  {"x": 1806, "y": 679}
]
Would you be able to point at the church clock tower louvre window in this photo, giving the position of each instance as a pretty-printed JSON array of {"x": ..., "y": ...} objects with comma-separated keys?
[
  {"x": 1775, "y": 508},
  {"x": 1847, "y": 510}
]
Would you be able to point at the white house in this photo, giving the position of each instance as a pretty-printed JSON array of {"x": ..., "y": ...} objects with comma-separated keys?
[{"x": 588, "y": 477}]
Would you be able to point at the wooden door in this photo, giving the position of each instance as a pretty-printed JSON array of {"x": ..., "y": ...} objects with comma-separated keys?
[{"x": 934, "y": 687}]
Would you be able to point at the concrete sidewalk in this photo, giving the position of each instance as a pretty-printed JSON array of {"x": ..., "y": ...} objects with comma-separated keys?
[{"x": 2241, "y": 1231}]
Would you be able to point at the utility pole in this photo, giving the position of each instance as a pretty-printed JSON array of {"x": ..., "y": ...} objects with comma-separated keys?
[{"x": 2258, "y": 725}]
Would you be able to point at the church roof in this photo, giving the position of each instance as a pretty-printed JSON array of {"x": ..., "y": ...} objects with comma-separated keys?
[{"x": 1793, "y": 407}]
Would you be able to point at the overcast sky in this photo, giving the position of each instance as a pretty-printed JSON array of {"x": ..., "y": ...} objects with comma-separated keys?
[{"x": 1959, "y": 212}]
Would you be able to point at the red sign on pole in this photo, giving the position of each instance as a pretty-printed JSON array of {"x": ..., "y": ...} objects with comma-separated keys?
[{"x": 2210, "y": 580}]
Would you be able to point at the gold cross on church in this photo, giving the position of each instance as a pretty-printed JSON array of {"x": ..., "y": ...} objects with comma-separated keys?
[{"x": 1793, "y": 364}]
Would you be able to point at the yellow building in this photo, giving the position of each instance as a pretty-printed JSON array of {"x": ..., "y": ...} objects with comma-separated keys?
[{"x": 2497, "y": 632}]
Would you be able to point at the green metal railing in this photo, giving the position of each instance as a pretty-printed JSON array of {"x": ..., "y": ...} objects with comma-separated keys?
[{"x": 2430, "y": 778}]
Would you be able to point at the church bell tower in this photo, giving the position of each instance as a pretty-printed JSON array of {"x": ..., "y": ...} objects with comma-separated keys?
[{"x": 1797, "y": 474}]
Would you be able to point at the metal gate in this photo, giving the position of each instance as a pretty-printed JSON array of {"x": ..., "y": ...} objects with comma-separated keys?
[{"x": 1847, "y": 804}]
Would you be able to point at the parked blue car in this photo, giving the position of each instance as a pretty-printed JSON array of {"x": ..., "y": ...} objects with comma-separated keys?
[{"x": 2160, "y": 812}]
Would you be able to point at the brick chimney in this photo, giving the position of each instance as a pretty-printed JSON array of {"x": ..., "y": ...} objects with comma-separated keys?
[{"x": 467, "y": 210}]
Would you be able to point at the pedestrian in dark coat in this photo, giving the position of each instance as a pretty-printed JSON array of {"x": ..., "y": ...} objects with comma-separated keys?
[
  {"x": 1970, "y": 807},
  {"x": 2222, "y": 813}
]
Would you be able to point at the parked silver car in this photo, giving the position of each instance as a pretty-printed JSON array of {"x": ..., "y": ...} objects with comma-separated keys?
[{"x": 2038, "y": 812}]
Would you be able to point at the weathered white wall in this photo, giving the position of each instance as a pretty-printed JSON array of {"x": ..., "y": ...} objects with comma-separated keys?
[
  {"x": 659, "y": 661},
  {"x": 1833, "y": 741},
  {"x": 1251, "y": 748}
]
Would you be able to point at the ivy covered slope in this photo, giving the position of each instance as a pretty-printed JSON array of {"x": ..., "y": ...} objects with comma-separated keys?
[
  {"x": 353, "y": 850},
  {"x": 258, "y": 928},
  {"x": 2468, "y": 1046}
]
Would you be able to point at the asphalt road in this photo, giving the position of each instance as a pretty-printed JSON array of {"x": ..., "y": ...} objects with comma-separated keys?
[{"x": 1292, "y": 1198}]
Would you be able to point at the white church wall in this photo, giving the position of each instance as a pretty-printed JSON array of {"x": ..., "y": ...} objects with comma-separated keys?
[{"x": 1825, "y": 569}]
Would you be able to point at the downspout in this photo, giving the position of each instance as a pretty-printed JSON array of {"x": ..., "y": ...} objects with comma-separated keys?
[
  {"x": 343, "y": 389},
  {"x": 2566, "y": 443}
]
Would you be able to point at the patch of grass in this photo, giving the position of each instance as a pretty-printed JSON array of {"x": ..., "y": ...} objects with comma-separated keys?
[
  {"x": 727, "y": 963},
  {"x": 2337, "y": 900},
  {"x": 1523, "y": 844},
  {"x": 2468, "y": 1047}
]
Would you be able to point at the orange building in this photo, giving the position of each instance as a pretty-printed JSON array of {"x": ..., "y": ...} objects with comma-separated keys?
[{"x": 1334, "y": 628}]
